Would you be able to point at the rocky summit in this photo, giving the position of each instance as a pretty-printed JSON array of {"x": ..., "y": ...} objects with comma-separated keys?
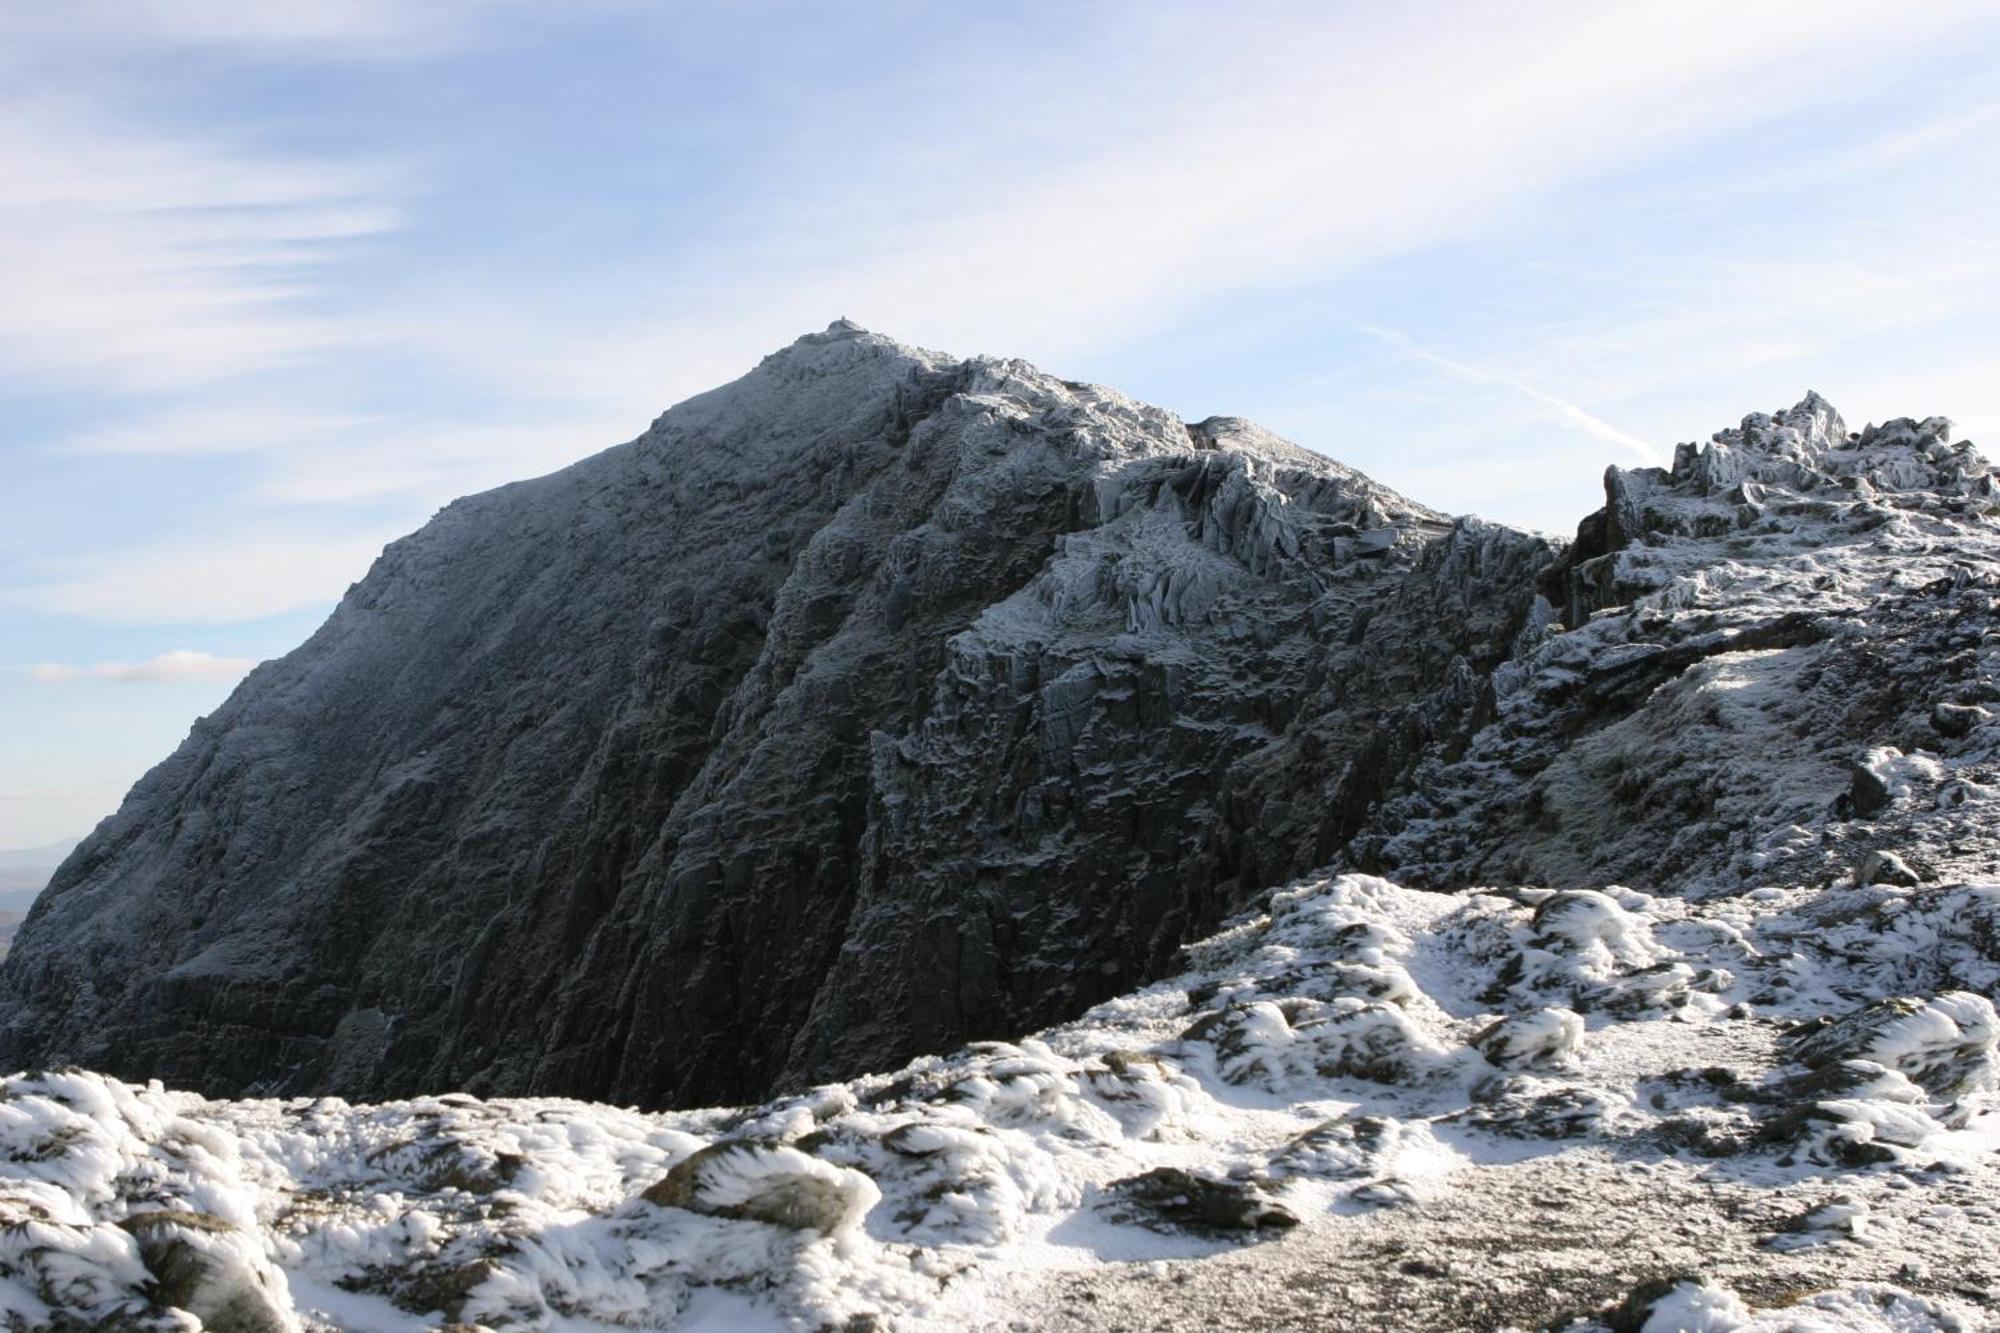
[{"x": 1140, "y": 874}]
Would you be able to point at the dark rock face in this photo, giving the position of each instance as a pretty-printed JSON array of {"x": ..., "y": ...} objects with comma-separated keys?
[{"x": 874, "y": 702}]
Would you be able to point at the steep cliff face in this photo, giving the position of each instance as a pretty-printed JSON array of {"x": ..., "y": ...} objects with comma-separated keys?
[{"x": 873, "y": 702}]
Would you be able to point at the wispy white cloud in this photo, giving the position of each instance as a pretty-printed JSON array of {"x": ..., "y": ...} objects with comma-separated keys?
[
  {"x": 312, "y": 29},
  {"x": 308, "y": 458},
  {"x": 138, "y": 260},
  {"x": 1859, "y": 302},
  {"x": 1890, "y": 148},
  {"x": 1320, "y": 139},
  {"x": 228, "y": 577},
  {"x": 438, "y": 461},
  {"x": 238, "y": 428},
  {"x": 181, "y": 664},
  {"x": 139, "y": 257},
  {"x": 1566, "y": 411}
]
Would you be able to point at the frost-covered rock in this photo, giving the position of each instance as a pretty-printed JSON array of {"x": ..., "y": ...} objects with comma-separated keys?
[
  {"x": 1543, "y": 1039},
  {"x": 1840, "y": 1219},
  {"x": 1885, "y": 867},
  {"x": 1957, "y": 720},
  {"x": 1168, "y": 1198},
  {"x": 1945, "y": 1044},
  {"x": 767, "y": 1183},
  {"x": 203, "y": 1265},
  {"x": 1347, "y": 1038},
  {"x": 1695, "y": 1305},
  {"x": 1854, "y": 1113},
  {"x": 1749, "y": 654}
]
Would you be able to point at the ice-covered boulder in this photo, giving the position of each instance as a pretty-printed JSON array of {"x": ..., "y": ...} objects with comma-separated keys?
[
  {"x": 1541, "y": 1039},
  {"x": 767, "y": 1183},
  {"x": 1945, "y": 1043},
  {"x": 1170, "y": 1198},
  {"x": 207, "y": 1267}
]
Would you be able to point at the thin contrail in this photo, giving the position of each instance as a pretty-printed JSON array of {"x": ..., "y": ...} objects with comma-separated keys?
[{"x": 1584, "y": 421}]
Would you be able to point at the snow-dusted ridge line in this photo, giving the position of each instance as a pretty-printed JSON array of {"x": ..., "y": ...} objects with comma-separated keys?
[{"x": 1359, "y": 1060}]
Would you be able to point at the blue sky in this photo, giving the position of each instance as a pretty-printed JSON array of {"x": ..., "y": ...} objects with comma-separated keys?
[{"x": 276, "y": 281}]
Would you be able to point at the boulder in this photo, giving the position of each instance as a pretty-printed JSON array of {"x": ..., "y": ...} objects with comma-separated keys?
[
  {"x": 1867, "y": 793},
  {"x": 207, "y": 1267},
  {"x": 767, "y": 1183},
  {"x": 1885, "y": 867},
  {"x": 1943, "y": 1044},
  {"x": 1956, "y": 720},
  {"x": 1170, "y": 1199},
  {"x": 1544, "y": 1039}
]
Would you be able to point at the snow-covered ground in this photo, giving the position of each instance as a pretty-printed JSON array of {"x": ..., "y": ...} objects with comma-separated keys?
[{"x": 1448, "y": 1110}]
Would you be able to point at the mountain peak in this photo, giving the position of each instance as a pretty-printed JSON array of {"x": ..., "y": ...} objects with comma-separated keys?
[
  {"x": 594, "y": 719},
  {"x": 1800, "y": 433}
]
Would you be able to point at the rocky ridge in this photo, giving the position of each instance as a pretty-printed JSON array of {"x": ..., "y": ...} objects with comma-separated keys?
[
  {"x": 1825, "y": 592},
  {"x": 1650, "y": 984}
]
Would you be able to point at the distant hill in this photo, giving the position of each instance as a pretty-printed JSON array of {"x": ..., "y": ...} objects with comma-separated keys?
[
  {"x": 22, "y": 886},
  {"x": 43, "y": 859},
  {"x": 24, "y": 872}
]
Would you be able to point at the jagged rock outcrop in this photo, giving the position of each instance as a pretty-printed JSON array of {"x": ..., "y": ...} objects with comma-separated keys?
[
  {"x": 883, "y": 700},
  {"x": 1745, "y": 687}
]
